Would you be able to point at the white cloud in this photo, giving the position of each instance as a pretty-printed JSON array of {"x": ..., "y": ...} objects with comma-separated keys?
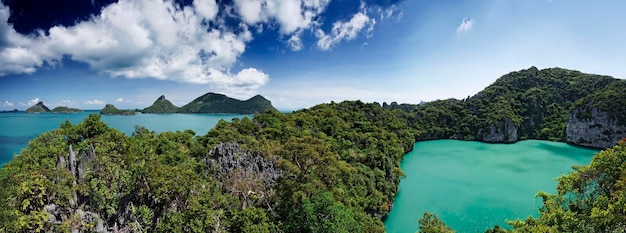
[
  {"x": 347, "y": 30},
  {"x": 207, "y": 8},
  {"x": 466, "y": 25},
  {"x": 94, "y": 102},
  {"x": 295, "y": 43},
  {"x": 33, "y": 101},
  {"x": 291, "y": 15},
  {"x": 7, "y": 104},
  {"x": 137, "y": 39},
  {"x": 119, "y": 100},
  {"x": 166, "y": 41}
]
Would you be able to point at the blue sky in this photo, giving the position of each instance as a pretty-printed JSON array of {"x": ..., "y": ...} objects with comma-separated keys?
[{"x": 296, "y": 53}]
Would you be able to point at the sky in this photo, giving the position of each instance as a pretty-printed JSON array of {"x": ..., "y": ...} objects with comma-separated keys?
[{"x": 296, "y": 53}]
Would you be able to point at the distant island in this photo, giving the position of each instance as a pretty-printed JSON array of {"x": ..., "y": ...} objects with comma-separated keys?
[
  {"x": 161, "y": 105},
  {"x": 14, "y": 110},
  {"x": 110, "y": 109},
  {"x": 213, "y": 103},
  {"x": 37, "y": 108},
  {"x": 63, "y": 109}
]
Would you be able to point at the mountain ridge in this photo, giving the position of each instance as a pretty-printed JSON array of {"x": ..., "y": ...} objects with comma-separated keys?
[
  {"x": 550, "y": 104},
  {"x": 212, "y": 102}
]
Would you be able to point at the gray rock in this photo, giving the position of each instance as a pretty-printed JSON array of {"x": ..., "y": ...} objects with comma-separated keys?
[
  {"x": 502, "y": 131},
  {"x": 596, "y": 129}
]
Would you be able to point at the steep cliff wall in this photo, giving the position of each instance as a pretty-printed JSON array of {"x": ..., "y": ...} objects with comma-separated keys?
[{"x": 593, "y": 128}]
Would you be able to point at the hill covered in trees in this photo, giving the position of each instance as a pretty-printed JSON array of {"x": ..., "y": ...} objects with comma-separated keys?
[
  {"x": 551, "y": 104},
  {"x": 161, "y": 105},
  {"x": 110, "y": 109},
  {"x": 213, "y": 103},
  {"x": 330, "y": 168},
  {"x": 63, "y": 109},
  {"x": 219, "y": 103},
  {"x": 37, "y": 108}
]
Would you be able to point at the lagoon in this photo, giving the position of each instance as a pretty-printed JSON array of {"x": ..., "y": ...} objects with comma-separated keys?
[
  {"x": 16, "y": 129},
  {"x": 472, "y": 186}
]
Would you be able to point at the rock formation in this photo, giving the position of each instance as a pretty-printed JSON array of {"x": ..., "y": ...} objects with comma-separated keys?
[{"x": 594, "y": 128}]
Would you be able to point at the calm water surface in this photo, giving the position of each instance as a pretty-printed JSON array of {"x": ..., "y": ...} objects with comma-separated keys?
[
  {"x": 472, "y": 186},
  {"x": 16, "y": 129}
]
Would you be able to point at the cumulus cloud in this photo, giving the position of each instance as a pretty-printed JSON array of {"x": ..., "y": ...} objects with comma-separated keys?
[
  {"x": 33, "y": 101},
  {"x": 137, "y": 39},
  {"x": 290, "y": 15},
  {"x": 94, "y": 102},
  {"x": 466, "y": 25},
  {"x": 119, "y": 100},
  {"x": 7, "y": 104},
  {"x": 347, "y": 30},
  {"x": 161, "y": 39}
]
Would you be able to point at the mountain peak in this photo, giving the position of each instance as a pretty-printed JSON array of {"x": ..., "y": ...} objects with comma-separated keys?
[{"x": 39, "y": 107}]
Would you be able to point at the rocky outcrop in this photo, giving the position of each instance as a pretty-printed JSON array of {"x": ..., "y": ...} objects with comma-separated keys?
[
  {"x": 502, "y": 131},
  {"x": 593, "y": 128},
  {"x": 77, "y": 166},
  {"x": 244, "y": 174}
]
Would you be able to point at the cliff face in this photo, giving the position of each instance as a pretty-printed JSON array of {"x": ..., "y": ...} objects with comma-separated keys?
[
  {"x": 503, "y": 131},
  {"x": 594, "y": 128}
]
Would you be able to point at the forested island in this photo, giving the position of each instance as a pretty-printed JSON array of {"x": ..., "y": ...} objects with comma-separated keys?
[
  {"x": 331, "y": 168},
  {"x": 213, "y": 103},
  {"x": 110, "y": 109},
  {"x": 37, "y": 108},
  {"x": 63, "y": 109}
]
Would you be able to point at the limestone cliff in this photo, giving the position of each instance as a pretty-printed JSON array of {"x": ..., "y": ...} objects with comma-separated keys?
[
  {"x": 593, "y": 128},
  {"x": 502, "y": 131}
]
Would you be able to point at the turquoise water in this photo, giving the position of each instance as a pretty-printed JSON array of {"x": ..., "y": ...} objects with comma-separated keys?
[
  {"x": 16, "y": 129},
  {"x": 472, "y": 186}
]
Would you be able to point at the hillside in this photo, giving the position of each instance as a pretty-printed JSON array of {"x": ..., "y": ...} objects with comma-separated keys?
[
  {"x": 331, "y": 168},
  {"x": 161, "y": 105},
  {"x": 219, "y": 103},
  {"x": 550, "y": 104},
  {"x": 63, "y": 109},
  {"x": 37, "y": 108},
  {"x": 110, "y": 109}
]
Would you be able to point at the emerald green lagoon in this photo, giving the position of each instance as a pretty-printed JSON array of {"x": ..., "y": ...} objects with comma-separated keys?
[{"x": 472, "y": 186}]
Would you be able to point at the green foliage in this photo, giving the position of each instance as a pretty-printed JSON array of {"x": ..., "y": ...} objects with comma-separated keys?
[
  {"x": 110, "y": 109},
  {"x": 537, "y": 102},
  {"x": 321, "y": 214},
  {"x": 218, "y": 103},
  {"x": 63, "y": 109},
  {"x": 430, "y": 223},
  {"x": 161, "y": 105}
]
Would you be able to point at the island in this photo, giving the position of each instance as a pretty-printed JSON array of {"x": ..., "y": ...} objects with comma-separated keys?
[
  {"x": 161, "y": 105},
  {"x": 110, "y": 109},
  {"x": 14, "y": 110},
  {"x": 213, "y": 103},
  {"x": 63, "y": 109},
  {"x": 334, "y": 167},
  {"x": 37, "y": 108}
]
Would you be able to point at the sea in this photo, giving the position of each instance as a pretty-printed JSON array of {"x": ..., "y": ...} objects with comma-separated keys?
[
  {"x": 17, "y": 129},
  {"x": 472, "y": 186}
]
